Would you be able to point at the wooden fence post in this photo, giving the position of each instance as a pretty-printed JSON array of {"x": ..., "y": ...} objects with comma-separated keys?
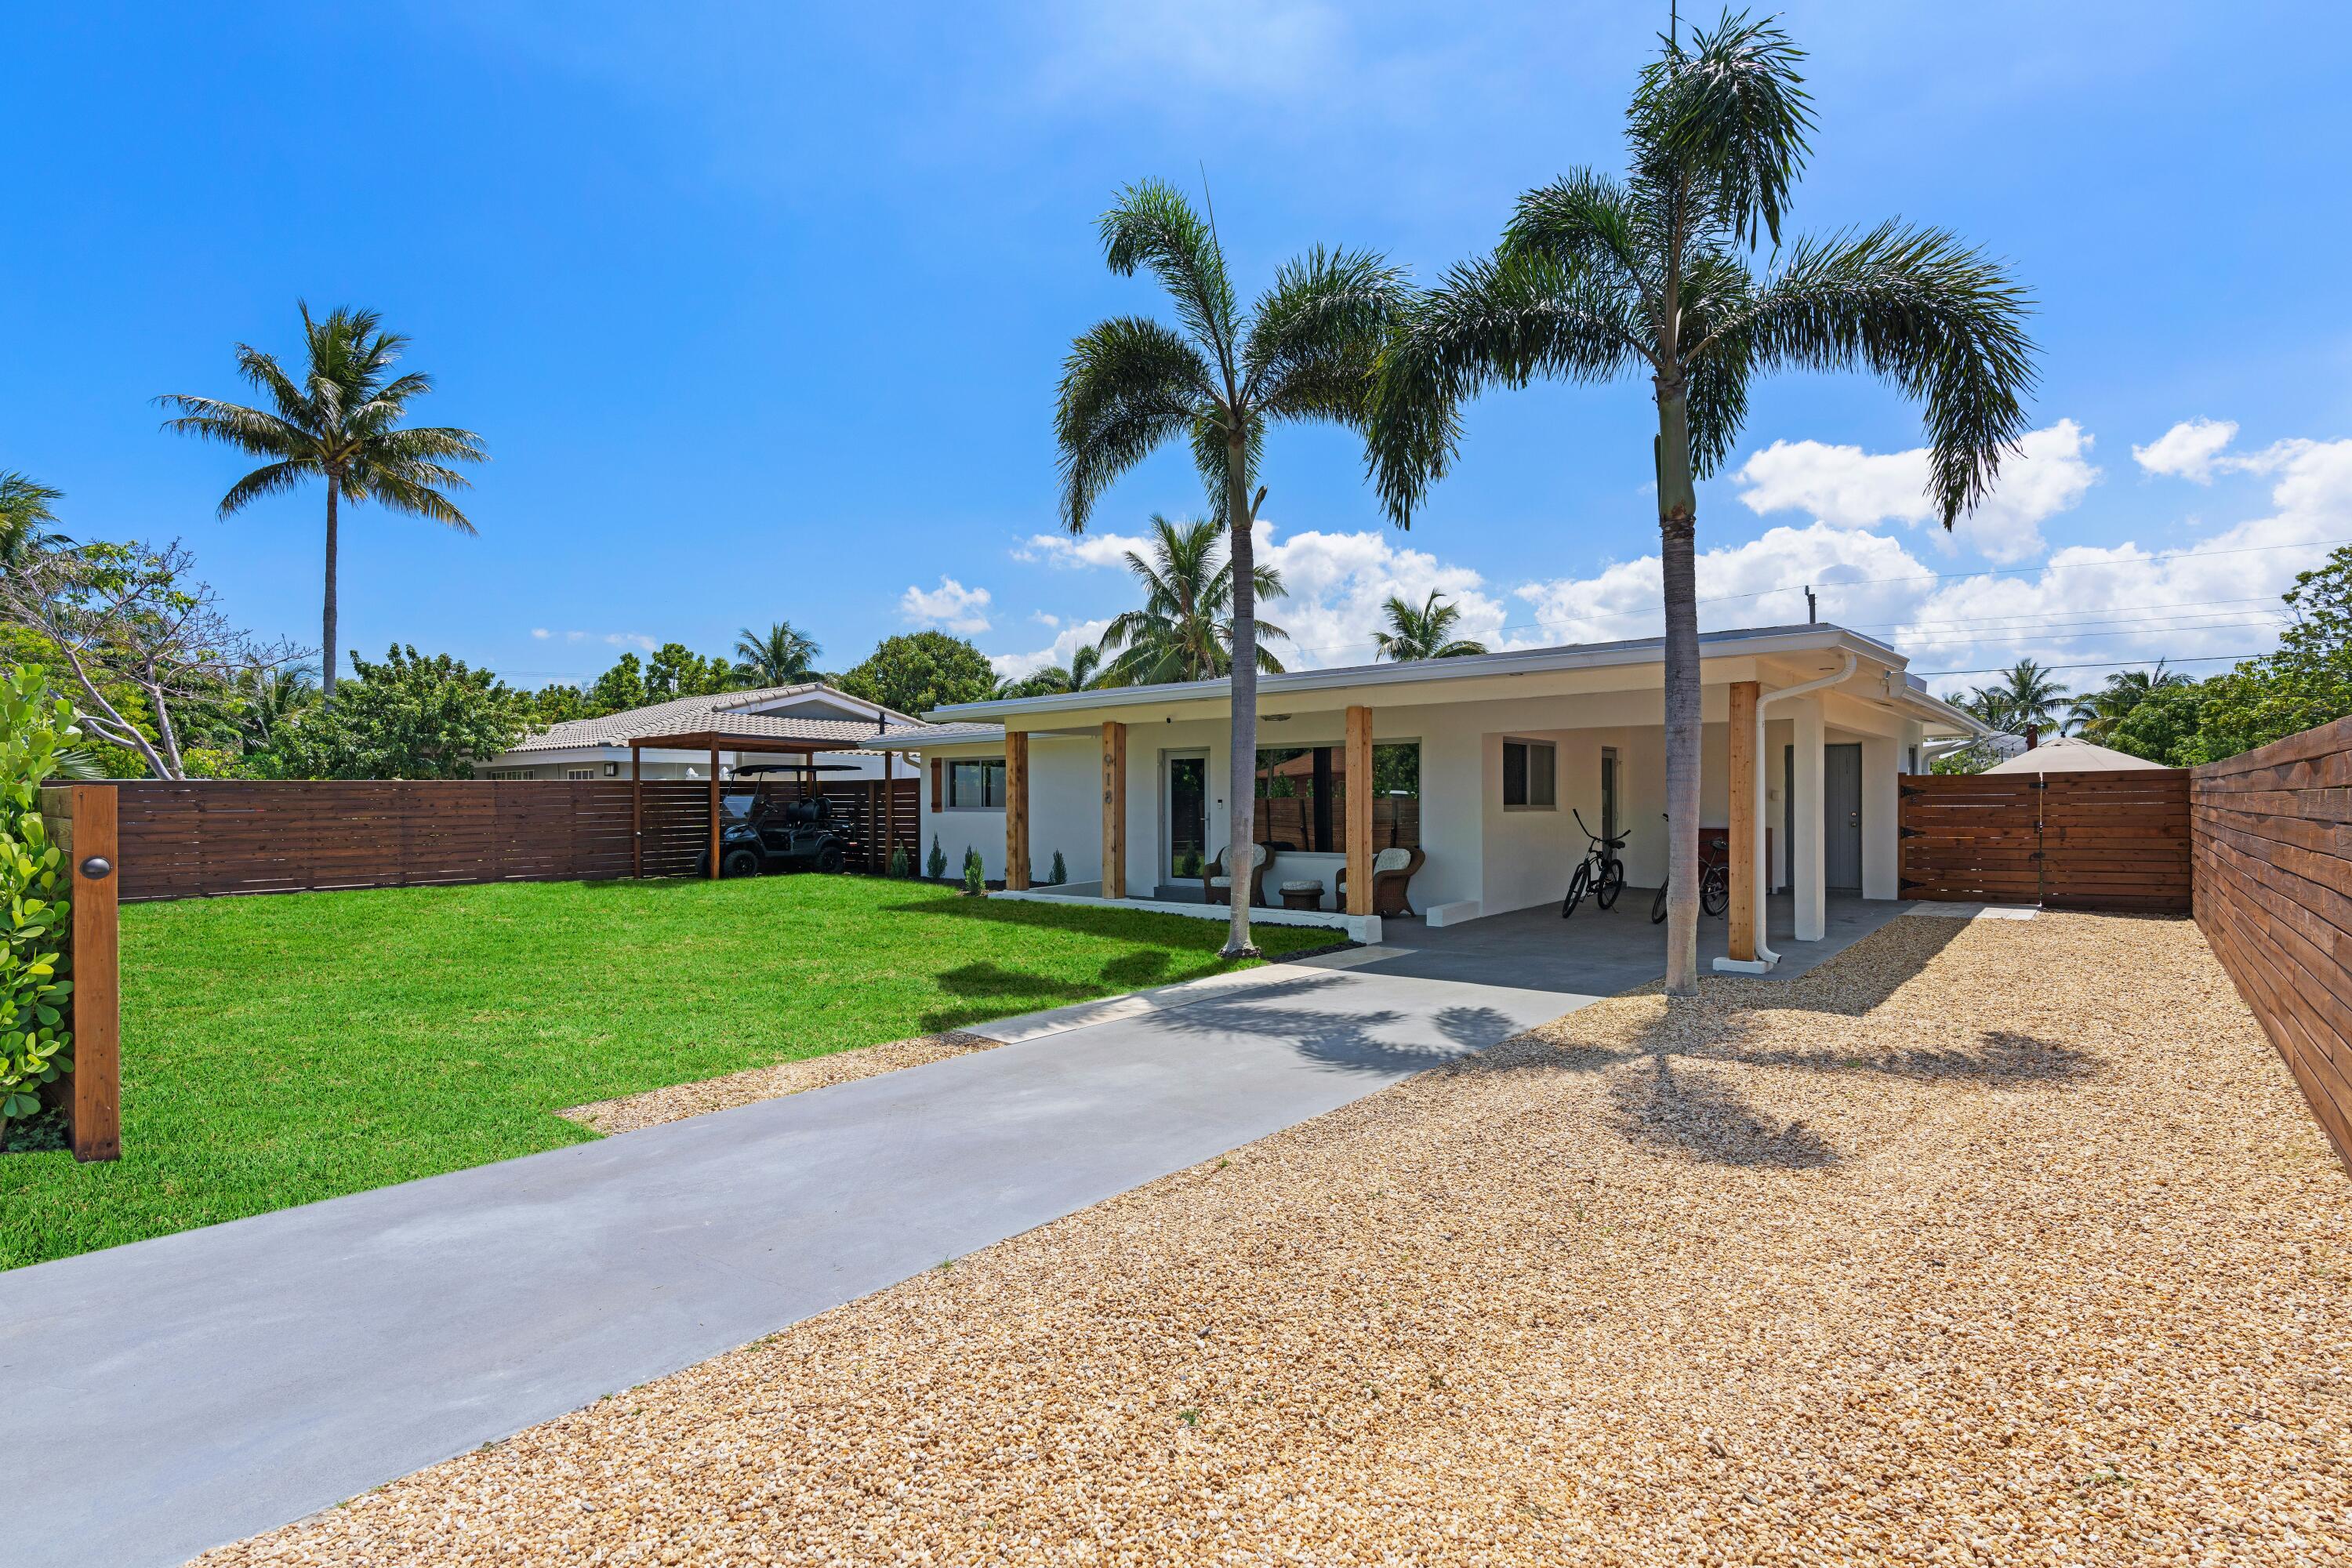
[{"x": 83, "y": 824}]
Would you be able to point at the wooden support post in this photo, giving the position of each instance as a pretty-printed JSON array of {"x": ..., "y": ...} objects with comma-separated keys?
[
  {"x": 93, "y": 1093},
  {"x": 636, "y": 812},
  {"x": 1744, "y": 857},
  {"x": 1359, "y": 811},
  {"x": 1016, "y": 810},
  {"x": 889, "y": 810},
  {"x": 1114, "y": 810},
  {"x": 714, "y": 808}
]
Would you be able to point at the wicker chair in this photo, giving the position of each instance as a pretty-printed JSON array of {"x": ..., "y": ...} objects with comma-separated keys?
[
  {"x": 1392, "y": 873},
  {"x": 1216, "y": 881}
]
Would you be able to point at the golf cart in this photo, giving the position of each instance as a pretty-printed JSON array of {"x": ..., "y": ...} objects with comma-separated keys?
[{"x": 761, "y": 835}]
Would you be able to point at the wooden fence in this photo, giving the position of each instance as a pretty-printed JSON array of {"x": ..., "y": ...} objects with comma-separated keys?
[
  {"x": 2273, "y": 873},
  {"x": 199, "y": 839},
  {"x": 2081, "y": 841}
]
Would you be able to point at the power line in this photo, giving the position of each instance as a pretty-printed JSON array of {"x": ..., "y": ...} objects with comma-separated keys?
[{"x": 2098, "y": 664}]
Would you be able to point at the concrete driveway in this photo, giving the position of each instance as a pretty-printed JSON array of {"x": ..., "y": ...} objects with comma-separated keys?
[{"x": 181, "y": 1392}]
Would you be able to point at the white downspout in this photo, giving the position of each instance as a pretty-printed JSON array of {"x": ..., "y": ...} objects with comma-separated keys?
[{"x": 1765, "y": 957}]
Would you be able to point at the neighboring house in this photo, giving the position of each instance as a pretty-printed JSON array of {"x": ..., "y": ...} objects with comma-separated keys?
[
  {"x": 599, "y": 748},
  {"x": 2071, "y": 754},
  {"x": 1478, "y": 761}
]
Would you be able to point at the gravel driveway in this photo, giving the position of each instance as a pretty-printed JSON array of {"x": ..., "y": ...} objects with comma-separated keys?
[{"x": 1995, "y": 1241}]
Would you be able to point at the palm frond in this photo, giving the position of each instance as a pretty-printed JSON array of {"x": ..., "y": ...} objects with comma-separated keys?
[
  {"x": 1725, "y": 123},
  {"x": 1151, "y": 224},
  {"x": 1129, "y": 384},
  {"x": 250, "y": 430},
  {"x": 274, "y": 479},
  {"x": 1587, "y": 221},
  {"x": 1316, "y": 336},
  {"x": 402, "y": 493}
]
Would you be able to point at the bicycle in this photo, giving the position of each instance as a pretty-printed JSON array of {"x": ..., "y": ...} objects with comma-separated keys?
[
  {"x": 1714, "y": 886},
  {"x": 1599, "y": 875}
]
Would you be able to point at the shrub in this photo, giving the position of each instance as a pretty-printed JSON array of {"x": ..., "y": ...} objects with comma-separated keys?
[
  {"x": 900, "y": 866},
  {"x": 35, "y": 1045},
  {"x": 975, "y": 874},
  {"x": 936, "y": 866},
  {"x": 1059, "y": 874}
]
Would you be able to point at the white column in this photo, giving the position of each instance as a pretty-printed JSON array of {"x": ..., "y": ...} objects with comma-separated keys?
[
  {"x": 1805, "y": 869},
  {"x": 1882, "y": 761}
]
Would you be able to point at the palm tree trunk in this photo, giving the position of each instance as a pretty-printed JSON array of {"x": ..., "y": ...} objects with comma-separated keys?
[
  {"x": 327, "y": 647},
  {"x": 1242, "y": 777},
  {"x": 1677, "y": 537}
]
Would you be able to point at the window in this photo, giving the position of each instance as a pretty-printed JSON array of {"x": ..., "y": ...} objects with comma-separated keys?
[
  {"x": 1302, "y": 797},
  {"x": 513, "y": 774},
  {"x": 580, "y": 773},
  {"x": 977, "y": 785},
  {"x": 1530, "y": 768}
]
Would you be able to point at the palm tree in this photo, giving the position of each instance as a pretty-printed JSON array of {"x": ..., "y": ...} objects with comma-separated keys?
[
  {"x": 1086, "y": 664},
  {"x": 781, "y": 656},
  {"x": 263, "y": 701},
  {"x": 2026, "y": 698},
  {"x": 1215, "y": 381},
  {"x": 24, "y": 507},
  {"x": 2096, "y": 714},
  {"x": 1422, "y": 633},
  {"x": 1599, "y": 278},
  {"x": 340, "y": 421},
  {"x": 1185, "y": 630}
]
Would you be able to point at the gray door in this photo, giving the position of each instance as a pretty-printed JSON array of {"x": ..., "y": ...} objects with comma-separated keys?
[{"x": 1842, "y": 819}]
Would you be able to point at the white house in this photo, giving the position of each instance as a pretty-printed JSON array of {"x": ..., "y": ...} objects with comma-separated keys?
[
  {"x": 1484, "y": 763},
  {"x": 599, "y": 748}
]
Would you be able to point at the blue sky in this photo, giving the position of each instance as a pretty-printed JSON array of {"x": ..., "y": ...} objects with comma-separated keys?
[{"x": 760, "y": 308}]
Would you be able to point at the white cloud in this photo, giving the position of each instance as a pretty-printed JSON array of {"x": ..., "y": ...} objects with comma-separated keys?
[
  {"x": 539, "y": 631},
  {"x": 611, "y": 639},
  {"x": 1080, "y": 550},
  {"x": 2187, "y": 450},
  {"x": 1082, "y": 634},
  {"x": 950, "y": 606},
  {"x": 1337, "y": 584},
  {"x": 1847, "y": 487}
]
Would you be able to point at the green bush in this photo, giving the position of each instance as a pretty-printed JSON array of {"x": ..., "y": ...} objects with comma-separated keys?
[
  {"x": 35, "y": 726},
  {"x": 975, "y": 874},
  {"x": 900, "y": 864},
  {"x": 1059, "y": 874},
  {"x": 936, "y": 866}
]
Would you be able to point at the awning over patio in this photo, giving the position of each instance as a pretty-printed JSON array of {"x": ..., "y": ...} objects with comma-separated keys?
[{"x": 762, "y": 733}]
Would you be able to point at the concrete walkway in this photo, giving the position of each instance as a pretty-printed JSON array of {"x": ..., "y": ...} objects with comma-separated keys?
[{"x": 178, "y": 1394}]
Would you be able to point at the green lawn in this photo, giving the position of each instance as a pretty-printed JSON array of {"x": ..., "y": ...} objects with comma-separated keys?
[{"x": 285, "y": 1049}]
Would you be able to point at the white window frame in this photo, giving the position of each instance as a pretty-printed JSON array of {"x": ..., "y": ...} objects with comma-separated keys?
[
  {"x": 580, "y": 773},
  {"x": 1551, "y": 750},
  {"x": 510, "y": 776},
  {"x": 990, "y": 769}
]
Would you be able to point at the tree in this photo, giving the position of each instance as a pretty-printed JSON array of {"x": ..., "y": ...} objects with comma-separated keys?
[
  {"x": 134, "y": 618},
  {"x": 2094, "y": 715},
  {"x": 1085, "y": 666},
  {"x": 408, "y": 717},
  {"x": 24, "y": 509},
  {"x": 1424, "y": 633},
  {"x": 915, "y": 672},
  {"x": 2164, "y": 725},
  {"x": 341, "y": 421},
  {"x": 781, "y": 656},
  {"x": 676, "y": 670},
  {"x": 2025, "y": 699},
  {"x": 556, "y": 702},
  {"x": 1215, "y": 381},
  {"x": 619, "y": 689},
  {"x": 1185, "y": 630},
  {"x": 2306, "y": 682},
  {"x": 1598, "y": 279}
]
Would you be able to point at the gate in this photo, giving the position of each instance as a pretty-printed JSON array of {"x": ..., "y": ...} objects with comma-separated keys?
[{"x": 2078, "y": 841}]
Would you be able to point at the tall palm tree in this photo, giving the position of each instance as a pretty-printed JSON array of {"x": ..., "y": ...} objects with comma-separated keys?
[
  {"x": 24, "y": 509},
  {"x": 2096, "y": 714},
  {"x": 340, "y": 421},
  {"x": 1185, "y": 630},
  {"x": 1424, "y": 633},
  {"x": 781, "y": 656},
  {"x": 2025, "y": 699},
  {"x": 1599, "y": 278},
  {"x": 1216, "y": 381}
]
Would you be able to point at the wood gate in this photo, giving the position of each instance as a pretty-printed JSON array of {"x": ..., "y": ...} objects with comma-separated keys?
[{"x": 2078, "y": 841}]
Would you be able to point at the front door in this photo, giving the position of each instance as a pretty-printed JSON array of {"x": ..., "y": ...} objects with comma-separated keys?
[
  {"x": 1186, "y": 835},
  {"x": 1842, "y": 819}
]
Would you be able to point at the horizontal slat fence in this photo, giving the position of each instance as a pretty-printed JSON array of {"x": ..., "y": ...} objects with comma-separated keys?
[
  {"x": 2076, "y": 841},
  {"x": 2272, "y": 834},
  {"x": 202, "y": 839}
]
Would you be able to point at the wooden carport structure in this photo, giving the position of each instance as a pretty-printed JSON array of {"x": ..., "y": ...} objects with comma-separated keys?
[{"x": 739, "y": 737}]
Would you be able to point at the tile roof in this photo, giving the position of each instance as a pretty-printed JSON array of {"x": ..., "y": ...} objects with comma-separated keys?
[
  {"x": 692, "y": 715},
  {"x": 900, "y": 737}
]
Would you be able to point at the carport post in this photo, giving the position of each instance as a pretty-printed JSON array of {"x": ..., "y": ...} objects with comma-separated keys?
[
  {"x": 637, "y": 814},
  {"x": 1744, "y": 855},
  {"x": 714, "y": 807},
  {"x": 1359, "y": 811},
  {"x": 1016, "y": 810},
  {"x": 889, "y": 809}
]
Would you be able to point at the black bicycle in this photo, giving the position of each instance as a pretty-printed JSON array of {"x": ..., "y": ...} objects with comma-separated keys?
[
  {"x": 1600, "y": 874},
  {"x": 1713, "y": 885}
]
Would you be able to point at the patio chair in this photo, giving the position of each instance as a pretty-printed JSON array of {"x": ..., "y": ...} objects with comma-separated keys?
[
  {"x": 1393, "y": 872},
  {"x": 1217, "y": 880}
]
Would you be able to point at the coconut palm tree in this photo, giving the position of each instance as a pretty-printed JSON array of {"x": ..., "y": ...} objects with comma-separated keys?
[
  {"x": 781, "y": 656},
  {"x": 1086, "y": 664},
  {"x": 1216, "y": 381},
  {"x": 2025, "y": 699},
  {"x": 340, "y": 421},
  {"x": 1424, "y": 633},
  {"x": 1185, "y": 630},
  {"x": 24, "y": 509},
  {"x": 2096, "y": 714},
  {"x": 1599, "y": 278}
]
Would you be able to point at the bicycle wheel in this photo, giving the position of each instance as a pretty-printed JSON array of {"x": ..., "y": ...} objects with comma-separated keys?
[
  {"x": 1577, "y": 886},
  {"x": 1612, "y": 883},
  {"x": 1658, "y": 906},
  {"x": 1714, "y": 890}
]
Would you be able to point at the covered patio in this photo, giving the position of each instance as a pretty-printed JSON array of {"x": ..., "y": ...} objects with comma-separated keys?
[{"x": 751, "y": 733}]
